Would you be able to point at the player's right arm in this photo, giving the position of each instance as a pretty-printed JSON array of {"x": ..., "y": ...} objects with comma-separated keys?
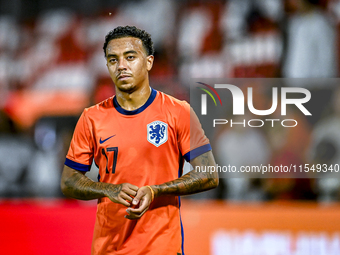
[{"x": 76, "y": 185}]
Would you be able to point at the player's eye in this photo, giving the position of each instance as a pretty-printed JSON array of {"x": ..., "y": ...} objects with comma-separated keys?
[
  {"x": 113, "y": 60},
  {"x": 131, "y": 57}
]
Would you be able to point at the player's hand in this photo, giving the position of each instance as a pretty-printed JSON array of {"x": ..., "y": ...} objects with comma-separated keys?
[
  {"x": 144, "y": 198},
  {"x": 121, "y": 193}
]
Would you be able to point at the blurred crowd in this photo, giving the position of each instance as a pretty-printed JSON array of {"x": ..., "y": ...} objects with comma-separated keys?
[{"x": 52, "y": 66}]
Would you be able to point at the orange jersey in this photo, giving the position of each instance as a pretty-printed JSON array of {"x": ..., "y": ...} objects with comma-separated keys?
[{"x": 146, "y": 146}]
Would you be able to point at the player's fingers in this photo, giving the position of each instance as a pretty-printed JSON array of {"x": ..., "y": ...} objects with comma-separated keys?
[
  {"x": 130, "y": 192},
  {"x": 133, "y": 216},
  {"x": 144, "y": 204},
  {"x": 123, "y": 202},
  {"x": 140, "y": 194},
  {"x": 133, "y": 187},
  {"x": 130, "y": 189},
  {"x": 126, "y": 197},
  {"x": 120, "y": 200}
]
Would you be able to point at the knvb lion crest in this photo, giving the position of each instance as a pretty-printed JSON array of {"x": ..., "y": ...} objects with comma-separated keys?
[{"x": 157, "y": 133}]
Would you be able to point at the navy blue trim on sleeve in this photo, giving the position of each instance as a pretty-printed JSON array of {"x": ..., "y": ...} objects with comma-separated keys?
[
  {"x": 140, "y": 109},
  {"x": 196, "y": 152},
  {"x": 77, "y": 166}
]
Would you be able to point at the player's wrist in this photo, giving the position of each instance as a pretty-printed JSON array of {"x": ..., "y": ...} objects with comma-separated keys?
[
  {"x": 105, "y": 189},
  {"x": 155, "y": 190},
  {"x": 152, "y": 193}
]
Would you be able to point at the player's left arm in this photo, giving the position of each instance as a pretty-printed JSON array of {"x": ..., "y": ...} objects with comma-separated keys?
[{"x": 190, "y": 183}]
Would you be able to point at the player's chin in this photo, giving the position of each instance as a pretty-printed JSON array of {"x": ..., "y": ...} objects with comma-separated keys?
[{"x": 126, "y": 87}]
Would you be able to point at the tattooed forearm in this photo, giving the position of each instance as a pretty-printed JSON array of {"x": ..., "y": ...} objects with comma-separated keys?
[
  {"x": 78, "y": 186},
  {"x": 192, "y": 182}
]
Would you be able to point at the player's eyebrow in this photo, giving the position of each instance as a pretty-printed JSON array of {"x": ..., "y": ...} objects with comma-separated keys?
[
  {"x": 125, "y": 53},
  {"x": 111, "y": 55},
  {"x": 130, "y": 52}
]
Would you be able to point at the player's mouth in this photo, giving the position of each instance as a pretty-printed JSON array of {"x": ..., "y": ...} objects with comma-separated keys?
[{"x": 123, "y": 76}]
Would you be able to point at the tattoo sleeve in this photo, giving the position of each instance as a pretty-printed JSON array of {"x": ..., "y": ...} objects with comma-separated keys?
[
  {"x": 192, "y": 182},
  {"x": 76, "y": 185}
]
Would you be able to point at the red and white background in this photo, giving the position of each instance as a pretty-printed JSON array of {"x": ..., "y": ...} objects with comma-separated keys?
[{"x": 52, "y": 66}]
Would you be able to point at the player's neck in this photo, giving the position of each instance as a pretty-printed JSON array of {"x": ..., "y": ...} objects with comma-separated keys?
[{"x": 134, "y": 100}]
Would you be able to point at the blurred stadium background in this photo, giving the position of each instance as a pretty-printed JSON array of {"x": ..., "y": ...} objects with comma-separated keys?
[{"x": 52, "y": 66}]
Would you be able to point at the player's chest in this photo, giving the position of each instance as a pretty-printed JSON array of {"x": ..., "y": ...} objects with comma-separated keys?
[{"x": 143, "y": 133}]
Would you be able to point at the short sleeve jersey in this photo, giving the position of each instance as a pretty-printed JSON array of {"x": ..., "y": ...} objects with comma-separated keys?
[{"x": 146, "y": 146}]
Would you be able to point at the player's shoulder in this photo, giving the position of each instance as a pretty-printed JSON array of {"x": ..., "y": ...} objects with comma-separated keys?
[
  {"x": 172, "y": 102},
  {"x": 99, "y": 107}
]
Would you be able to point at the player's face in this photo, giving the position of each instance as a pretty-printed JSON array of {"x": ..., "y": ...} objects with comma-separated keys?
[{"x": 128, "y": 63}]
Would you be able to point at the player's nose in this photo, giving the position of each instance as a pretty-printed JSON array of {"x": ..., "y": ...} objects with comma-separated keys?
[{"x": 122, "y": 64}]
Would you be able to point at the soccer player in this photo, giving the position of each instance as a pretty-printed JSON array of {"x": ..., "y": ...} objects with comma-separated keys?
[{"x": 139, "y": 139}]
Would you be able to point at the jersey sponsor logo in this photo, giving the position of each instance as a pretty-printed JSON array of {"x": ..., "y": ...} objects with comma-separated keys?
[
  {"x": 103, "y": 141},
  {"x": 157, "y": 133}
]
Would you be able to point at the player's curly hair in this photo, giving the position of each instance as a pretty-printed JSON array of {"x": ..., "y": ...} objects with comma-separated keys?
[{"x": 128, "y": 31}]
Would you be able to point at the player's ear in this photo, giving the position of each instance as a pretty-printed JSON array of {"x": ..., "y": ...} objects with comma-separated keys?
[{"x": 149, "y": 62}]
